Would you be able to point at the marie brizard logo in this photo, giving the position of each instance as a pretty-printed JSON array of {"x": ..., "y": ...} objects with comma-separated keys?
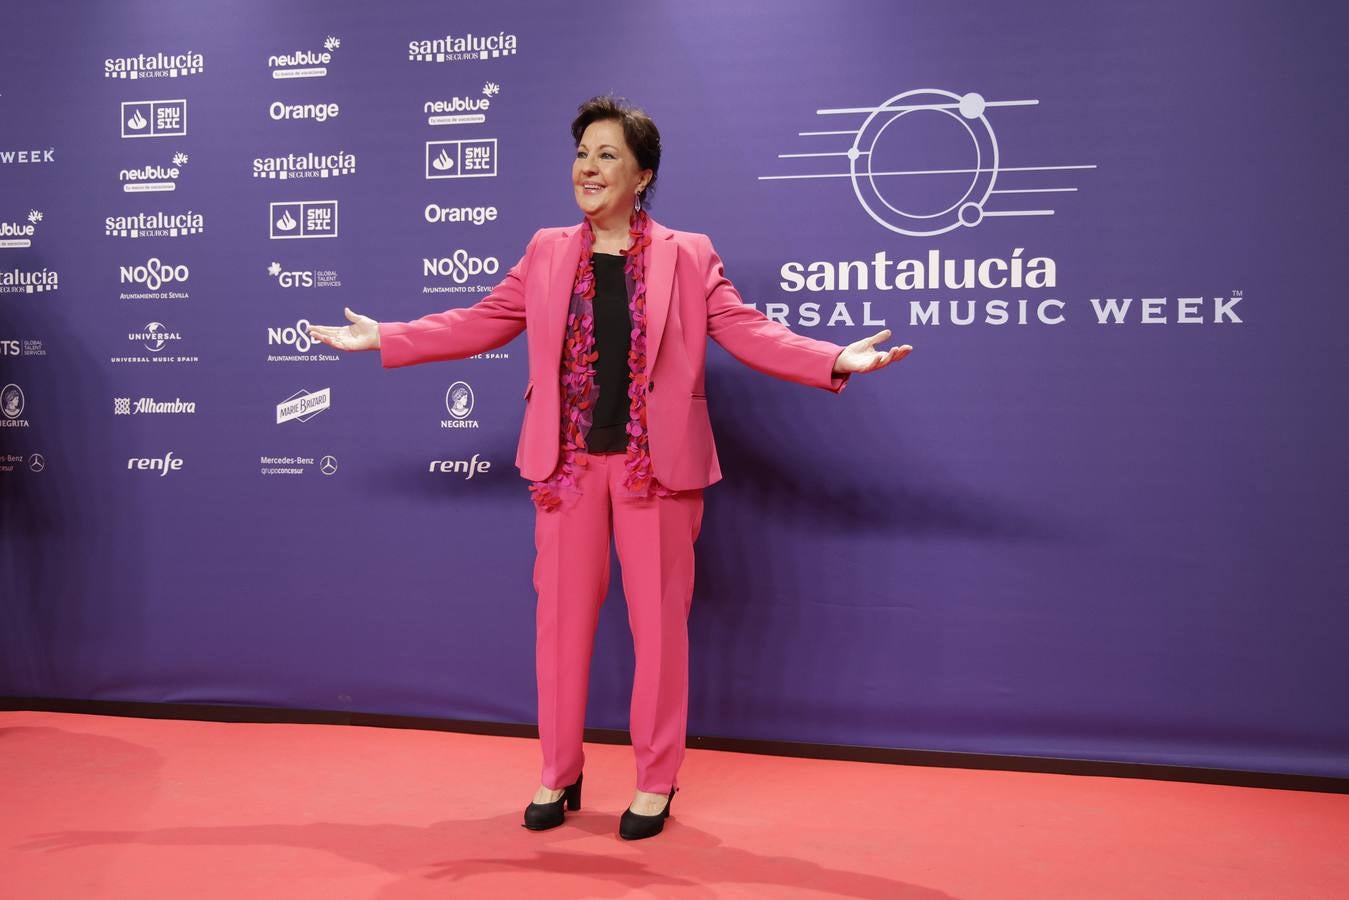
[{"x": 926, "y": 162}]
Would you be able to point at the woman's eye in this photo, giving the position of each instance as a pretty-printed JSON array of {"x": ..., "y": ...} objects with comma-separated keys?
[{"x": 607, "y": 155}]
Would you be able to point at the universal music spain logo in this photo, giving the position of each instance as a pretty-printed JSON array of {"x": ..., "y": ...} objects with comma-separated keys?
[{"x": 154, "y": 118}]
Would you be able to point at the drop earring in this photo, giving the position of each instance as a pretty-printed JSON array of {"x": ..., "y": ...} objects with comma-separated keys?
[{"x": 637, "y": 205}]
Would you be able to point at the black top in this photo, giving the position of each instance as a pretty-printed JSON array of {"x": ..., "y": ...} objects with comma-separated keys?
[{"x": 613, "y": 327}]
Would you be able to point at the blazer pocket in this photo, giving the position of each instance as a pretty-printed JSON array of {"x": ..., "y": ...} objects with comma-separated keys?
[
  {"x": 697, "y": 396},
  {"x": 529, "y": 388}
]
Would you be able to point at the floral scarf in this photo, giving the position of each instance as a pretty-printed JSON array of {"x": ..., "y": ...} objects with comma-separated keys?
[{"x": 579, "y": 391}]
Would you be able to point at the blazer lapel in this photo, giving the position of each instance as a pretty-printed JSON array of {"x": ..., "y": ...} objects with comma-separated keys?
[
  {"x": 659, "y": 285},
  {"x": 561, "y": 278}
]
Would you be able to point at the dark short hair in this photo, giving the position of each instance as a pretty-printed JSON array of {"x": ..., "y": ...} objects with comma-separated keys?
[{"x": 639, "y": 131}]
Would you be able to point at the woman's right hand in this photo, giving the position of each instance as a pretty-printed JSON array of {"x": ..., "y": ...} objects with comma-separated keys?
[{"x": 361, "y": 334}]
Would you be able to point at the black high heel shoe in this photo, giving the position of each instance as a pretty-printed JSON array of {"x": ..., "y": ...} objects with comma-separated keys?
[
  {"x": 635, "y": 826},
  {"x": 542, "y": 816}
]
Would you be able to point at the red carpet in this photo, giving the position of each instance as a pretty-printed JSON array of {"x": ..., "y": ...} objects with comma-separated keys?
[{"x": 94, "y": 806}]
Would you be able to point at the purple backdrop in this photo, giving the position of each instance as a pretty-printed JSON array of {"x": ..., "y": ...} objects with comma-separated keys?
[{"x": 1059, "y": 538}]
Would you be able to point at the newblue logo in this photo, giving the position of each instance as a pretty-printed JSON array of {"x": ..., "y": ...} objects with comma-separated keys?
[
  {"x": 304, "y": 63},
  {"x": 153, "y": 177},
  {"x": 17, "y": 235},
  {"x": 461, "y": 110}
]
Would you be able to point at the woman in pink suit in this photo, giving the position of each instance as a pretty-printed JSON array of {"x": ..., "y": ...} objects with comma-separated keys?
[{"x": 616, "y": 438}]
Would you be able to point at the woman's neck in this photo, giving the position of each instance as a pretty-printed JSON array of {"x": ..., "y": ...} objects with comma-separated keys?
[{"x": 611, "y": 235}]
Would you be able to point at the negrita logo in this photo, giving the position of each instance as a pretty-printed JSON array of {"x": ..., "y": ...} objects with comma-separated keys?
[
  {"x": 456, "y": 47},
  {"x": 159, "y": 224},
  {"x": 461, "y": 110},
  {"x": 154, "y": 118},
  {"x": 154, "y": 65},
  {"x": 304, "y": 63},
  {"x": 304, "y": 278},
  {"x": 11, "y": 407},
  {"x": 17, "y": 235},
  {"x": 459, "y": 402},
  {"x": 305, "y": 165},
  {"x": 153, "y": 177},
  {"x": 306, "y": 219},
  {"x": 461, "y": 159}
]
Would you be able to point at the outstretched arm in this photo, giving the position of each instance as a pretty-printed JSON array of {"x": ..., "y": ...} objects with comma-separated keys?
[
  {"x": 774, "y": 349},
  {"x": 452, "y": 334}
]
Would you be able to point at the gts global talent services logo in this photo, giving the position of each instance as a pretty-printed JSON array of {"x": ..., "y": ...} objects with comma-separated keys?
[
  {"x": 153, "y": 177},
  {"x": 154, "y": 118},
  {"x": 17, "y": 235},
  {"x": 461, "y": 110},
  {"x": 154, "y": 65},
  {"x": 456, "y": 47},
  {"x": 304, "y": 63},
  {"x": 303, "y": 278},
  {"x": 156, "y": 224},
  {"x": 305, "y": 165}
]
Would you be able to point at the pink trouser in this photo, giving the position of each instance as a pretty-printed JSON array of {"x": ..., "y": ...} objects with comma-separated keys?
[{"x": 571, "y": 573}]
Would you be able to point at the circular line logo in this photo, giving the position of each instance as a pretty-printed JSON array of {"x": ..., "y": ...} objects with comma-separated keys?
[
  {"x": 37, "y": 462},
  {"x": 328, "y": 465},
  {"x": 11, "y": 401},
  {"x": 459, "y": 400}
]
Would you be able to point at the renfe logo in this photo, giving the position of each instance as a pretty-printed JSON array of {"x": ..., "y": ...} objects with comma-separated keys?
[
  {"x": 469, "y": 467},
  {"x": 164, "y": 466}
]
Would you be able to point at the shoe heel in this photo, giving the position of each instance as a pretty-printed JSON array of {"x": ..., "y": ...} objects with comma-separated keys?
[{"x": 574, "y": 795}]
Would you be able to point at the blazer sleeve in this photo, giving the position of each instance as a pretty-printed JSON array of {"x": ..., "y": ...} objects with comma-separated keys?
[
  {"x": 758, "y": 341},
  {"x": 458, "y": 333}
]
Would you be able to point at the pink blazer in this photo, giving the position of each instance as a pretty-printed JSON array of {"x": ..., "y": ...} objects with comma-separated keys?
[{"x": 688, "y": 300}]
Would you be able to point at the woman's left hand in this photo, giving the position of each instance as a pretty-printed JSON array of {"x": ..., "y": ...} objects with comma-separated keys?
[{"x": 862, "y": 356}]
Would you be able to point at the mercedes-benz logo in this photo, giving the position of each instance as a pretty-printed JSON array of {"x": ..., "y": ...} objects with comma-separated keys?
[
  {"x": 328, "y": 465},
  {"x": 37, "y": 462}
]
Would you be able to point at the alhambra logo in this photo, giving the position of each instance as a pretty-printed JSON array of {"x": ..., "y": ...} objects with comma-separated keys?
[
  {"x": 154, "y": 65},
  {"x": 304, "y": 63},
  {"x": 17, "y": 235},
  {"x": 153, "y": 177},
  {"x": 154, "y": 118},
  {"x": 456, "y": 47},
  {"x": 305, "y": 165},
  {"x": 461, "y": 110},
  {"x": 20, "y": 281},
  {"x": 157, "y": 224},
  {"x": 927, "y": 161}
]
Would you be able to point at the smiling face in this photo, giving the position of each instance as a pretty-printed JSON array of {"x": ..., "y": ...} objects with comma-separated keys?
[{"x": 605, "y": 175}]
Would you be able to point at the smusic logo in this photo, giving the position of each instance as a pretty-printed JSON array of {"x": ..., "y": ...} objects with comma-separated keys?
[
  {"x": 156, "y": 65},
  {"x": 154, "y": 118},
  {"x": 305, "y": 165},
  {"x": 475, "y": 158},
  {"x": 307, "y": 219}
]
